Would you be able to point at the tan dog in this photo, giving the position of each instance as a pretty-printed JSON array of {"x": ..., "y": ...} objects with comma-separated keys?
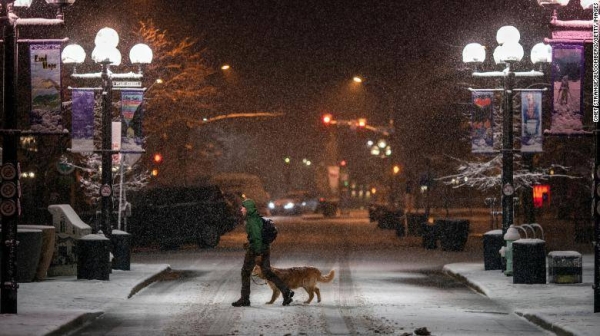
[{"x": 305, "y": 277}]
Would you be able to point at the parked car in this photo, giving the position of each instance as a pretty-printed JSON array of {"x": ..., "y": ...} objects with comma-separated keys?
[
  {"x": 294, "y": 203},
  {"x": 328, "y": 206},
  {"x": 241, "y": 186},
  {"x": 172, "y": 216}
]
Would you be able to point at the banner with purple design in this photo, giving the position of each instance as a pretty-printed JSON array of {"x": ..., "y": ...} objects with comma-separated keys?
[
  {"x": 482, "y": 121},
  {"x": 567, "y": 75},
  {"x": 82, "y": 135},
  {"x": 45, "y": 115},
  {"x": 531, "y": 121}
]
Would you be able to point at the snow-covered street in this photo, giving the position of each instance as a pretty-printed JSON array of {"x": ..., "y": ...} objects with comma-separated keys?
[{"x": 383, "y": 284}]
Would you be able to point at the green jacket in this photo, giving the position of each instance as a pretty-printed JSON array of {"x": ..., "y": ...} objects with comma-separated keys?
[{"x": 254, "y": 227}]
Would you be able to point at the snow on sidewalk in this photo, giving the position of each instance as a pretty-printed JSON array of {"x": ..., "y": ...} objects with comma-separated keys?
[
  {"x": 566, "y": 309},
  {"x": 61, "y": 303}
]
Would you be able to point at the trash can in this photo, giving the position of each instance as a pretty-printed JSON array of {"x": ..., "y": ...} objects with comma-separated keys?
[
  {"x": 400, "y": 229},
  {"x": 27, "y": 253},
  {"x": 414, "y": 224},
  {"x": 375, "y": 211},
  {"x": 529, "y": 261},
  {"x": 329, "y": 209},
  {"x": 492, "y": 243},
  {"x": 391, "y": 219},
  {"x": 429, "y": 235},
  {"x": 565, "y": 267},
  {"x": 453, "y": 233},
  {"x": 93, "y": 257},
  {"x": 121, "y": 250},
  {"x": 47, "y": 249}
]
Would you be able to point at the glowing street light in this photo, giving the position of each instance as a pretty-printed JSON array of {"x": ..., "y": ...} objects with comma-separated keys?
[
  {"x": 106, "y": 54},
  {"x": 507, "y": 53}
]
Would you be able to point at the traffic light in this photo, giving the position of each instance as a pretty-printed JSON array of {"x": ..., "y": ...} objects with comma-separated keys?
[
  {"x": 327, "y": 119},
  {"x": 157, "y": 159},
  {"x": 397, "y": 169}
]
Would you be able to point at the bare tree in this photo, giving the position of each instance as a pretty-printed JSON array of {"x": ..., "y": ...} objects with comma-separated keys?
[{"x": 175, "y": 107}]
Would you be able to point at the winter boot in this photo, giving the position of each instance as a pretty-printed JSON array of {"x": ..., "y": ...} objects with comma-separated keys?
[
  {"x": 241, "y": 303},
  {"x": 287, "y": 297}
]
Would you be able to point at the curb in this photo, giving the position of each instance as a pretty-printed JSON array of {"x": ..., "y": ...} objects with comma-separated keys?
[
  {"x": 148, "y": 281},
  {"x": 87, "y": 317},
  {"x": 465, "y": 281},
  {"x": 75, "y": 323},
  {"x": 540, "y": 322},
  {"x": 530, "y": 317}
]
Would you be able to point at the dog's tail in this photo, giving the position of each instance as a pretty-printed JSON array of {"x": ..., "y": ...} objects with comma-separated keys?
[{"x": 328, "y": 277}]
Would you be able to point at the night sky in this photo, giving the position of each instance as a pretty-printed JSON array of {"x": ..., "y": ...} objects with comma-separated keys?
[{"x": 299, "y": 56}]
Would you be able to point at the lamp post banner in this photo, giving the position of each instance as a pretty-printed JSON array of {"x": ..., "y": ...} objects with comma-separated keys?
[
  {"x": 333, "y": 174},
  {"x": 45, "y": 115},
  {"x": 482, "y": 121},
  {"x": 131, "y": 117},
  {"x": 531, "y": 116},
  {"x": 83, "y": 121},
  {"x": 567, "y": 88}
]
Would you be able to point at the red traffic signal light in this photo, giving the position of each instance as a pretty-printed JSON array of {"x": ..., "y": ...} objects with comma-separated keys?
[
  {"x": 327, "y": 118},
  {"x": 158, "y": 158}
]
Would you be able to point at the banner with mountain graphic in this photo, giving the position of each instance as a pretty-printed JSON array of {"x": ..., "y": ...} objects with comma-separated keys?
[
  {"x": 131, "y": 128},
  {"x": 567, "y": 77},
  {"x": 132, "y": 117},
  {"x": 531, "y": 122},
  {"x": 45, "y": 115}
]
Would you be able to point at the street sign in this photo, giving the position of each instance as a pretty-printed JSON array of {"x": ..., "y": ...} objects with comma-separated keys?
[
  {"x": 127, "y": 84},
  {"x": 105, "y": 190}
]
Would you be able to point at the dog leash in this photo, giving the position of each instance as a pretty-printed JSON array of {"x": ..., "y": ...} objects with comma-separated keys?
[{"x": 256, "y": 283}]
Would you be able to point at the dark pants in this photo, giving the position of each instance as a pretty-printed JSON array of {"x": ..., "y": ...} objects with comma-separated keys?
[{"x": 265, "y": 265}]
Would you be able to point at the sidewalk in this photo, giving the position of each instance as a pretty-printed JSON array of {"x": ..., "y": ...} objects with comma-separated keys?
[
  {"x": 566, "y": 309},
  {"x": 58, "y": 305}
]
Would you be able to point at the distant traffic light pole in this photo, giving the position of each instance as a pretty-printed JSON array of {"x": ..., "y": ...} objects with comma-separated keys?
[
  {"x": 388, "y": 132},
  {"x": 392, "y": 169}
]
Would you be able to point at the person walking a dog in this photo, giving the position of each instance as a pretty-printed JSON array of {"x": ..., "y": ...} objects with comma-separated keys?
[{"x": 257, "y": 253}]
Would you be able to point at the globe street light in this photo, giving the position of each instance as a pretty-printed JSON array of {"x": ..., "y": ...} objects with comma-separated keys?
[
  {"x": 508, "y": 52},
  {"x": 106, "y": 54}
]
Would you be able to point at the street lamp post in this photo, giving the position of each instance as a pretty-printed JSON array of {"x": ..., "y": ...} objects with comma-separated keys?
[
  {"x": 10, "y": 203},
  {"x": 106, "y": 54},
  {"x": 383, "y": 149},
  {"x": 507, "y": 53}
]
